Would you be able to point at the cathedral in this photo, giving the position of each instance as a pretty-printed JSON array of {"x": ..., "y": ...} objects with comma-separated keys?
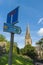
[
  {"x": 28, "y": 37},
  {"x": 28, "y": 41}
]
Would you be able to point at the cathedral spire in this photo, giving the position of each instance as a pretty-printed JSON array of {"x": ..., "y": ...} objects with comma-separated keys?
[
  {"x": 27, "y": 30},
  {"x": 27, "y": 36}
]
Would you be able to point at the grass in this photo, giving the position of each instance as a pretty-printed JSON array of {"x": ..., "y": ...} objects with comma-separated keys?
[{"x": 16, "y": 60}]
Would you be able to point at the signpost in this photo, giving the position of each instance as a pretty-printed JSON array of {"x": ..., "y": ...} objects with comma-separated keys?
[
  {"x": 12, "y": 16},
  {"x": 12, "y": 28},
  {"x": 11, "y": 49},
  {"x": 12, "y": 19}
]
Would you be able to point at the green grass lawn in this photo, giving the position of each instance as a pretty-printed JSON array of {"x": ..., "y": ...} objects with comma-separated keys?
[{"x": 17, "y": 60}]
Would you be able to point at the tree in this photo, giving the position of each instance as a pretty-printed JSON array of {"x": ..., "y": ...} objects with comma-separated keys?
[
  {"x": 29, "y": 51},
  {"x": 15, "y": 48},
  {"x": 7, "y": 46},
  {"x": 39, "y": 44},
  {"x": 2, "y": 38}
]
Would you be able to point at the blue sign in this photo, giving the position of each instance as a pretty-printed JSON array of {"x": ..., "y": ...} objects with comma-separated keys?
[
  {"x": 12, "y": 16},
  {"x": 12, "y": 29}
]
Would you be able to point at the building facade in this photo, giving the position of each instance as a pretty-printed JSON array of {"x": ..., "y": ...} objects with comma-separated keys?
[
  {"x": 39, "y": 51},
  {"x": 2, "y": 47}
]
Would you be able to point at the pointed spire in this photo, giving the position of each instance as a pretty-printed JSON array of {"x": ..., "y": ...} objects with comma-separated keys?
[
  {"x": 28, "y": 37},
  {"x": 27, "y": 30}
]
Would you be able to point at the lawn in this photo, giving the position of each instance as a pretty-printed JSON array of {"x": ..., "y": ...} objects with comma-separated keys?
[{"x": 17, "y": 60}]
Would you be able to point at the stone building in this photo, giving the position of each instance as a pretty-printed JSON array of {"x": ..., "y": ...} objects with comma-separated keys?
[
  {"x": 39, "y": 51},
  {"x": 3, "y": 44},
  {"x": 28, "y": 40},
  {"x": 28, "y": 37},
  {"x": 3, "y": 47}
]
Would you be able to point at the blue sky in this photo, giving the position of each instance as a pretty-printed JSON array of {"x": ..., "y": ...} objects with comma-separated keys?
[{"x": 30, "y": 12}]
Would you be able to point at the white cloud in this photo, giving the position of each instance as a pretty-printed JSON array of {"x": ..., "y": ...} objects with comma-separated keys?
[
  {"x": 40, "y": 20},
  {"x": 40, "y": 31}
]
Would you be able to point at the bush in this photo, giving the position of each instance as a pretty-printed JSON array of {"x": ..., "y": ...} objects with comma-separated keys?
[
  {"x": 15, "y": 48},
  {"x": 29, "y": 51}
]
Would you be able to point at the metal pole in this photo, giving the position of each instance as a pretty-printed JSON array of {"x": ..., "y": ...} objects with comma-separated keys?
[{"x": 11, "y": 49}]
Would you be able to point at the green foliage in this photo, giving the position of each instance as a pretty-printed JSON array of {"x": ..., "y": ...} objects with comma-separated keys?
[
  {"x": 2, "y": 48},
  {"x": 7, "y": 47},
  {"x": 2, "y": 38},
  {"x": 16, "y": 60},
  {"x": 40, "y": 42},
  {"x": 29, "y": 51},
  {"x": 18, "y": 50},
  {"x": 15, "y": 48},
  {"x": 22, "y": 51}
]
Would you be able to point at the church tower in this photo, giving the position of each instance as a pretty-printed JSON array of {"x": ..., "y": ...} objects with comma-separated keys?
[{"x": 28, "y": 37}]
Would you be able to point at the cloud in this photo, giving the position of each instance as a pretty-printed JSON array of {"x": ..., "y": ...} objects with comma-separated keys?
[
  {"x": 40, "y": 31},
  {"x": 40, "y": 20}
]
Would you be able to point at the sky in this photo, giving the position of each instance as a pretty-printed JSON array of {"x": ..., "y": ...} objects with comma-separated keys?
[{"x": 30, "y": 13}]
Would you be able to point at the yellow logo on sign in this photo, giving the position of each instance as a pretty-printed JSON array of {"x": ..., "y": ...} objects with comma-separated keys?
[{"x": 5, "y": 27}]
